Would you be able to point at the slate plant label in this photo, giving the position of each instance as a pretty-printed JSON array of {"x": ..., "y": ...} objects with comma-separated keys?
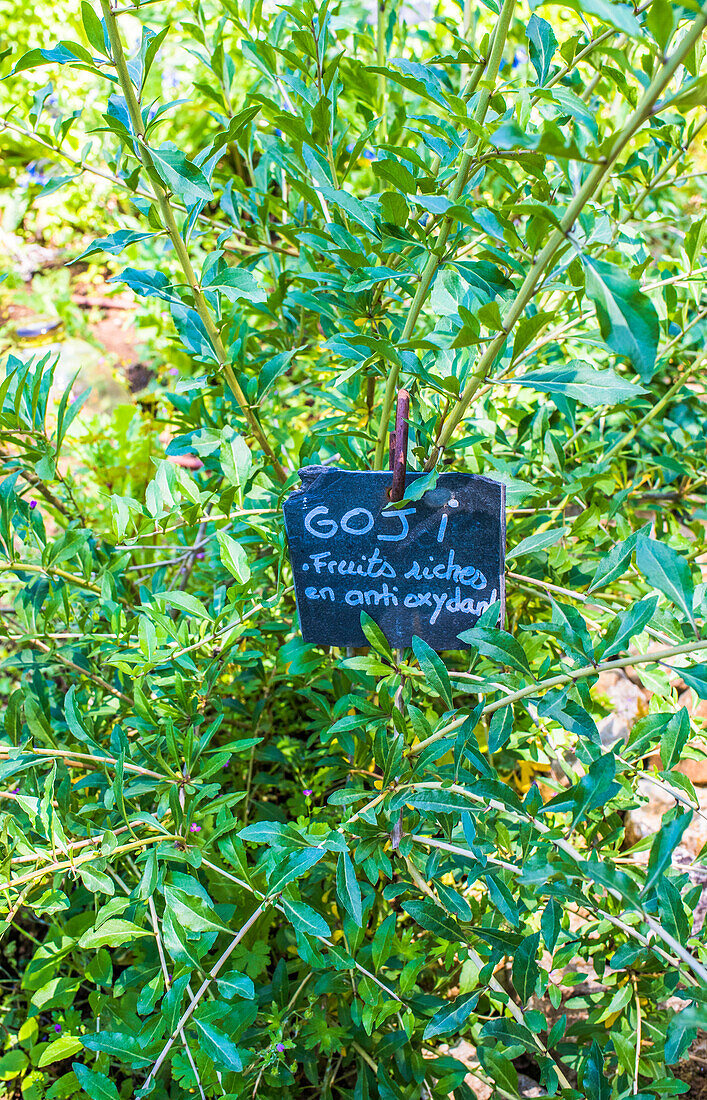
[{"x": 429, "y": 568}]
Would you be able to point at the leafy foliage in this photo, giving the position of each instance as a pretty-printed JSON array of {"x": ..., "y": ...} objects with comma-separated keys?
[{"x": 237, "y": 865}]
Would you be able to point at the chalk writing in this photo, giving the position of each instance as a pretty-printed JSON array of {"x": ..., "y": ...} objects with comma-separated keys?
[{"x": 431, "y": 570}]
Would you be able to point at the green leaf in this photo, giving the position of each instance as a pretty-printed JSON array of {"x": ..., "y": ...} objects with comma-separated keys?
[
  {"x": 595, "y": 1081},
  {"x": 66, "y": 53},
  {"x": 500, "y": 728},
  {"x": 98, "y": 882},
  {"x": 433, "y": 918},
  {"x": 432, "y": 801},
  {"x": 348, "y": 890},
  {"x": 63, "y": 1047},
  {"x": 593, "y": 790},
  {"x": 568, "y": 625},
  {"x": 294, "y": 866},
  {"x": 112, "y": 933},
  {"x": 95, "y": 1084},
  {"x": 235, "y": 284},
  {"x": 130, "y": 1049},
  {"x": 682, "y": 1030},
  {"x": 434, "y": 670},
  {"x": 672, "y": 910},
  {"x": 667, "y": 571},
  {"x": 498, "y": 646},
  {"x": 502, "y": 898},
  {"x": 12, "y": 1064},
  {"x": 627, "y": 624},
  {"x": 543, "y": 44},
  {"x": 664, "y": 844},
  {"x": 616, "y": 15},
  {"x": 541, "y": 540},
  {"x": 305, "y": 919},
  {"x": 674, "y": 734},
  {"x": 115, "y": 243},
  {"x": 525, "y": 971},
  {"x": 501, "y": 1069},
  {"x": 696, "y": 678},
  {"x": 268, "y": 832},
  {"x": 376, "y": 638},
  {"x": 583, "y": 383},
  {"x": 448, "y": 1020},
  {"x": 550, "y": 923},
  {"x": 627, "y": 318},
  {"x": 236, "y": 459},
  {"x": 192, "y": 911},
  {"x": 180, "y": 175},
  {"x": 616, "y": 561},
  {"x": 218, "y": 1047},
  {"x": 234, "y": 984},
  {"x": 185, "y": 602},
  {"x": 509, "y": 1033},
  {"x": 234, "y": 557}
]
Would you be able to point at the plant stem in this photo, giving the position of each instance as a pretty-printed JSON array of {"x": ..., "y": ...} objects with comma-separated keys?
[
  {"x": 655, "y": 656},
  {"x": 494, "y": 984},
  {"x": 68, "y": 864},
  {"x": 564, "y": 845},
  {"x": 437, "y": 253},
  {"x": 145, "y": 157},
  {"x": 54, "y": 655},
  {"x": 559, "y": 237},
  {"x": 49, "y": 571},
  {"x": 380, "y": 62},
  {"x": 650, "y": 415},
  {"x": 216, "y": 968},
  {"x": 165, "y": 974},
  {"x": 80, "y": 757},
  {"x": 432, "y": 842}
]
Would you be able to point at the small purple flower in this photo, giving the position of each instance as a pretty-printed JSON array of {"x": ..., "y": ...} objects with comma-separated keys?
[
  {"x": 280, "y": 1047},
  {"x": 307, "y": 791},
  {"x": 174, "y": 371},
  {"x": 57, "y": 1028},
  {"x": 200, "y": 556},
  {"x": 194, "y": 828},
  {"x": 33, "y": 504},
  {"x": 15, "y": 790}
]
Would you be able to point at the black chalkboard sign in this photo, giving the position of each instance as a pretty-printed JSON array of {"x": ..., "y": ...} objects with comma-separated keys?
[{"x": 429, "y": 568}]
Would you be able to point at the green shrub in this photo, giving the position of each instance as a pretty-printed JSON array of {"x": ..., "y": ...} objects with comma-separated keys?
[{"x": 237, "y": 865}]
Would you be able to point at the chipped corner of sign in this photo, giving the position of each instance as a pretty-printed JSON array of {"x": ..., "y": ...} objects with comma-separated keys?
[{"x": 310, "y": 475}]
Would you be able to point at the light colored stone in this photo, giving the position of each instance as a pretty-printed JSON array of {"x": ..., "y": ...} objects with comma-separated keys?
[
  {"x": 646, "y": 819},
  {"x": 528, "y": 1087},
  {"x": 465, "y": 1052},
  {"x": 627, "y": 700}
]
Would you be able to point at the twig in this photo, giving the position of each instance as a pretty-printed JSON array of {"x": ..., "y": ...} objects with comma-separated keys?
[
  {"x": 168, "y": 984},
  {"x": 189, "y": 1010}
]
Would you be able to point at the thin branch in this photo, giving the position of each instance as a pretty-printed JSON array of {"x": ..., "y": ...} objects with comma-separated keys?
[
  {"x": 215, "y": 970},
  {"x": 161, "y": 194},
  {"x": 168, "y": 984},
  {"x": 654, "y": 657},
  {"x": 559, "y": 237}
]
